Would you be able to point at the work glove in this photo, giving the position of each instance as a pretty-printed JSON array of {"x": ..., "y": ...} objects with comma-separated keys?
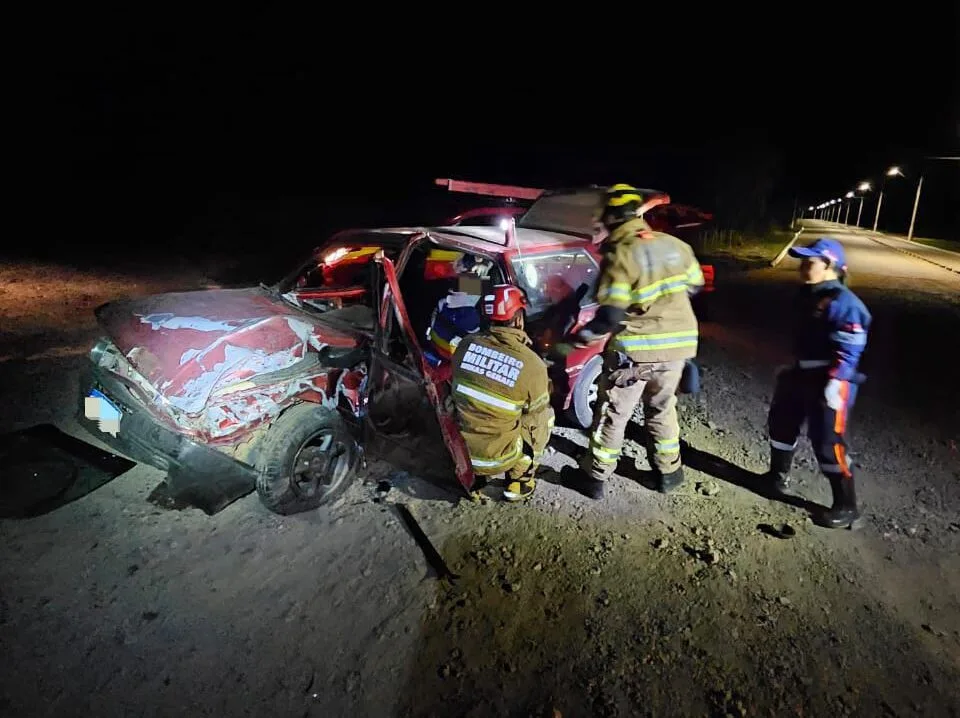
[{"x": 832, "y": 394}]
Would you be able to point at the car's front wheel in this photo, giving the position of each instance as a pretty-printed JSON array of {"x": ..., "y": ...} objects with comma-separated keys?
[
  {"x": 308, "y": 458},
  {"x": 585, "y": 391}
]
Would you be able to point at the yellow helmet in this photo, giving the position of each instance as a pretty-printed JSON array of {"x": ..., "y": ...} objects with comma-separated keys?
[{"x": 621, "y": 204}]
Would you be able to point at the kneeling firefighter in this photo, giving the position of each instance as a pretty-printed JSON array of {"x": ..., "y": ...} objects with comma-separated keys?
[
  {"x": 502, "y": 395},
  {"x": 830, "y": 334},
  {"x": 644, "y": 290}
]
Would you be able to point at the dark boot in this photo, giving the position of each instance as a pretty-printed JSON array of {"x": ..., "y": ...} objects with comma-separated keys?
[
  {"x": 668, "y": 482},
  {"x": 844, "y": 511},
  {"x": 780, "y": 464},
  {"x": 581, "y": 482}
]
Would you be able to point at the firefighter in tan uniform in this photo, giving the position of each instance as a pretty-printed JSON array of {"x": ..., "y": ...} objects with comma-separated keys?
[
  {"x": 644, "y": 293},
  {"x": 502, "y": 395}
]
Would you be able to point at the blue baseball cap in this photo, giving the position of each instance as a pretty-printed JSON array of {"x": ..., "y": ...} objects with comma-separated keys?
[{"x": 826, "y": 248}]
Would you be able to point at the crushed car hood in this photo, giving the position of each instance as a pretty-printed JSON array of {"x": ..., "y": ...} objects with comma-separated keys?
[{"x": 187, "y": 344}]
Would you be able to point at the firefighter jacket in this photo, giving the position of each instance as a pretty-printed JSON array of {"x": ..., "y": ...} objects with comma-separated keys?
[
  {"x": 502, "y": 395},
  {"x": 650, "y": 275},
  {"x": 830, "y": 329},
  {"x": 456, "y": 316}
]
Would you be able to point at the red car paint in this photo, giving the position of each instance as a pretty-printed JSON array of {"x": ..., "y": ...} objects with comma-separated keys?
[
  {"x": 658, "y": 211},
  {"x": 202, "y": 361},
  {"x": 436, "y": 381},
  {"x": 218, "y": 365}
]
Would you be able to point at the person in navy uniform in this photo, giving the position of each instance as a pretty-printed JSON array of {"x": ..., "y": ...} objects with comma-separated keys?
[
  {"x": 830, "y": 334},
  {"x": 456, "y": 315}
]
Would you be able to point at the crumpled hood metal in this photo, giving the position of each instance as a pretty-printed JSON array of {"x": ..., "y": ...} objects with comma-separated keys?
[{"x": 187, "y": 344}]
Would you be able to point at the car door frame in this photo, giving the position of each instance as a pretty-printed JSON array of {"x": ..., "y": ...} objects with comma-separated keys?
[{"x": 391, "y": 307}]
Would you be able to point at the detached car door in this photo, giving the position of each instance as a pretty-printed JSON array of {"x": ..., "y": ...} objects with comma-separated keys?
[{"x": 407, "y": 401}]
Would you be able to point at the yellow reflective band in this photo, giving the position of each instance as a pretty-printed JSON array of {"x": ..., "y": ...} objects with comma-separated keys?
[
  {"x": 607, "y": 456},
  {"x": 441, "y": 342},
  {"x": 624, "y": 199},
  {"x": 695, "y": 274},
  {"x": 669, "y": 285},
  {"x": 613, "y": 293},
  {"x": 485, "y": 463},
  {"x": 444, "y": 255},
  {"x": 488, "y": 397},
  {"x": 539, "y": 401},
  {"x": 652, "y": 342},
  {"x": 668, "y": 446}
]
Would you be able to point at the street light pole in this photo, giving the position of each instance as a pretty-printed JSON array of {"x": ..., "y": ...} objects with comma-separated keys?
[
  {"x": 913, "y": 217},
  {"x": 876, "y": 217},
  {"x": 859, "y": 210},
  {"x": 846, "y": 216},
  {"x": 892, "y": 172}
]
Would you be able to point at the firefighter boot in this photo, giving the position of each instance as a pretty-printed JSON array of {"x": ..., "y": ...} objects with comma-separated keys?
[
  {"x": 844, "y": 512},
  {"x": 668, "y": 482},
  {"x": 780, "y": 463},
  {"x": 519, "y": 490},
  {"x": 520, "y": 480}
]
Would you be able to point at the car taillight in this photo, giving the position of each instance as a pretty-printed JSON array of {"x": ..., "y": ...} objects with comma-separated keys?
[{"x": 707, "y": 270}]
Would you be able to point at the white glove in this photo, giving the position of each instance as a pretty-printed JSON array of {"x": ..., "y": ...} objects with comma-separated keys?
[{"x": 832, "y": 394}]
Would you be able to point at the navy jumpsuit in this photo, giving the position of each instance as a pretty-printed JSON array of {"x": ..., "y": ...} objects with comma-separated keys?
[{"x": 830, "y": 334}]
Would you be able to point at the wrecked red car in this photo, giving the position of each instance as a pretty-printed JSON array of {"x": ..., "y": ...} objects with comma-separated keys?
[{"x": 281, "y": 388}]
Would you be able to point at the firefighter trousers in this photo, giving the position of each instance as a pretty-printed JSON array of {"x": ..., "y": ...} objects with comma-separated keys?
[
  {"x": 798, "y": 399},
  {"x": 624, "y": 385},
  {"x": 534, "y": 436}
]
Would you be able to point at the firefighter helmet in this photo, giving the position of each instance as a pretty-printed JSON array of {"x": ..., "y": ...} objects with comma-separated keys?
[
  {"x": 621, "y": 204},
  {"x": 503, "y": 302}
]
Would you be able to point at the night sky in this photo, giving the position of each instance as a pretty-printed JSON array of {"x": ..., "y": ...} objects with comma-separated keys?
[{"x": 152, "y": 127}]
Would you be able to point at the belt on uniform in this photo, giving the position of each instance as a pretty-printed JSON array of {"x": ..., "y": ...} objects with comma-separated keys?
[
  {"x": 857, "y": 378},
  {"x": 813, "y": 363}
]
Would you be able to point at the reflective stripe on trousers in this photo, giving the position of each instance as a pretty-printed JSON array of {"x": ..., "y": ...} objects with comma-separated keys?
[{"x": 622, "y": 389}]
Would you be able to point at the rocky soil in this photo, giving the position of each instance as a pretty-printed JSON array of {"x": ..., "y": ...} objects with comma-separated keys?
[{"x": 695, "y": 603}]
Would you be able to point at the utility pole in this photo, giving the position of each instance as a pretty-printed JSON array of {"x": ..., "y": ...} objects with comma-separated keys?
[
  {"x": 876, "y": 217},
  {"x": 913, "y": 217}
]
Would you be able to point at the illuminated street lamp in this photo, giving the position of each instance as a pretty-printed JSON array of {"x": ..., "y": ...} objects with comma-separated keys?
[
  {"x": 862, "y": 187},
  {"x": 846, "y": 216},
  {"x": 916, "y": 199},
  {"x": 892, "y": 172}
]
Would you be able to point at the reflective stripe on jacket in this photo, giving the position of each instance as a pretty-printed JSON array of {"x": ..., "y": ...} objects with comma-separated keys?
[
  {"x": 650, "y": 275},
  {"x": 502, "y": 394}
]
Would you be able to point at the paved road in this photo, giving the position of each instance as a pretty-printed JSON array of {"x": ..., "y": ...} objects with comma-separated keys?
[
  {"x": 884, "y": 256},
  {"x": 914, "y": 343}
]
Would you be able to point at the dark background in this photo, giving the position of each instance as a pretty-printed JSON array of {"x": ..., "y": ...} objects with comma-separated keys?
[{"x": 217, "y": 136}]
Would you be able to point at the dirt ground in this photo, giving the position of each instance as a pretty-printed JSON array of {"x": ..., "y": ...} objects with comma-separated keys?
[{"x": 638, "y": 605}]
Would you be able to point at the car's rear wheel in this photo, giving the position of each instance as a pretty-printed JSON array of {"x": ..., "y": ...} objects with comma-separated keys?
[
  {"x": 308, "y": 458},
  {"x": 585, "y": 393}
]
